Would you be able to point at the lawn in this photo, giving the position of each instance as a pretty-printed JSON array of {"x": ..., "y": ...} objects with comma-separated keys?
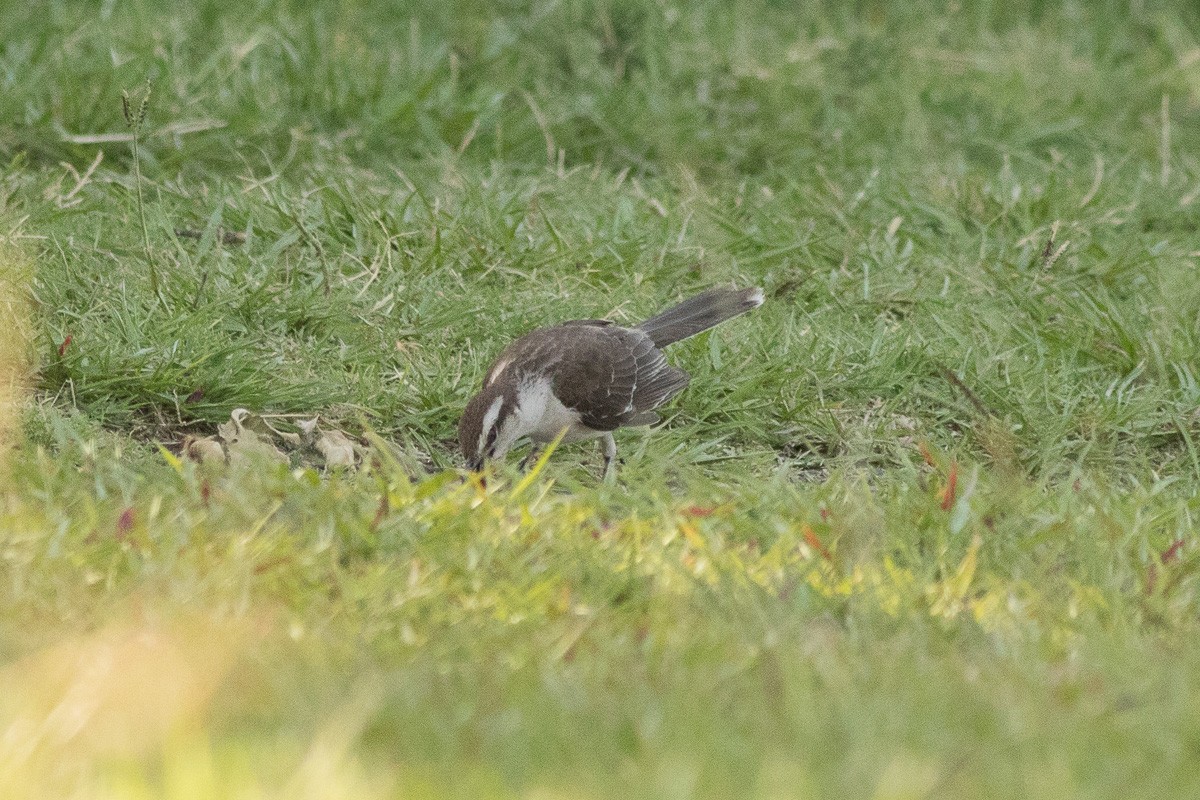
[{"x": 923, "y": 525}]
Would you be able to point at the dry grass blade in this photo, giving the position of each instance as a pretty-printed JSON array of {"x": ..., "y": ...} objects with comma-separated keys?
[{"x": 15, "y": 344}]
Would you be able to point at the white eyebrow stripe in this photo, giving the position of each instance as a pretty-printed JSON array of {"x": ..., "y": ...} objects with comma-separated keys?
[
  {"x": 498, "y": 369},
  {"x": 489, "y": 419}
]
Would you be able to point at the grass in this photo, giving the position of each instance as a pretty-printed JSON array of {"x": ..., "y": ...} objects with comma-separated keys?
[{"x": 922, "y": 526}]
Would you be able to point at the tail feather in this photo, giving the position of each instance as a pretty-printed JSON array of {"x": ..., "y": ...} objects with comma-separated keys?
[{"x": 700, "y": 313}]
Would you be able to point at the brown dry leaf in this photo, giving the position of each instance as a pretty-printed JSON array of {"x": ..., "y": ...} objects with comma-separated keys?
[
  {"x": 292, "y": 440},
  {"x": 204, "y": 450},
  {"x": 248, "y": 446},
  {"x": 249, "y": 436},
  {"x": 247, "y": 420},
  {"x": 308, "y": 430},
  {"x": 337, "y": 449},
  {"x": 243, "y": 443},
  {"x": 227, "y": 431}
]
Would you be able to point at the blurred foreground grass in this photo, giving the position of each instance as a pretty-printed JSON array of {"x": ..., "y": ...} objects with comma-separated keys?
[{"x": 275, "y": 634}]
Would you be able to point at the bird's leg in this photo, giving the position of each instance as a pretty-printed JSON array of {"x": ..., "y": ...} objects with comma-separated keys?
[
  {"x": 530, "y": 457},
  {"x": 610, "y": 456}
]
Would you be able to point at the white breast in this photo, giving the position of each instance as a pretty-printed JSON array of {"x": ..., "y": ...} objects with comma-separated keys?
[{"x": 543, "y": 417}]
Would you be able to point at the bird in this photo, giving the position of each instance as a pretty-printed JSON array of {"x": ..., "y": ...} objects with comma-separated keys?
[{"x": 586, "y": 378}]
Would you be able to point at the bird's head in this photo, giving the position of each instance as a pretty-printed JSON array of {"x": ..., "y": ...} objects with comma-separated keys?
[{"x": 489, "y": 426}]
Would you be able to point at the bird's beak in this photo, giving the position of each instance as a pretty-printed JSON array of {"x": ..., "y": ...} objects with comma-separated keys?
[{"x": 475, "y": 470}]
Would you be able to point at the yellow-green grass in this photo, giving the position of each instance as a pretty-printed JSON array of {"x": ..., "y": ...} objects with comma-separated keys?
[
  {"x": 275, "y": 633},
  {"x": 15, "y": 346}
]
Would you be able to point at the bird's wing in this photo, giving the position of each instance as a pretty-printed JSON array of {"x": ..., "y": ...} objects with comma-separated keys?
[
  {"x": 540, "y": 346},
  {"x": 595, "y": 323},
  {"x": 613, "y": 375}
]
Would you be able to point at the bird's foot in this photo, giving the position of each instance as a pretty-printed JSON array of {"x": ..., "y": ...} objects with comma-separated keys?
[
  {"x": 530, "y": 458},
  {"x": 610, "y": 468}
]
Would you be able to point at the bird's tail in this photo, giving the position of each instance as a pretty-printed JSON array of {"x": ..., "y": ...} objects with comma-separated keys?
[{"x": 700, "y": 313}]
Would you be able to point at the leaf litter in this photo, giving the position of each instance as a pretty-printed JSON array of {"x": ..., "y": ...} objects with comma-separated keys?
[{"x": 249, "y": 437}]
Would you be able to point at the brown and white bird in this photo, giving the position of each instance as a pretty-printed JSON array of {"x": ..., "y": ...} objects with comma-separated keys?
[{"x": 587, "y": 377}]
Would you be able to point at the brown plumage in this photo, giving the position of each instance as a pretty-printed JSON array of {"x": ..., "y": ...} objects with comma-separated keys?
[{"x": 589, "y": 377}]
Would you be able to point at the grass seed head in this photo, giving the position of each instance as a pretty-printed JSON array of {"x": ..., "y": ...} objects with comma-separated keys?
[
  {"x": 145, "y": 105},
  {"x": 135, "y": 120}
]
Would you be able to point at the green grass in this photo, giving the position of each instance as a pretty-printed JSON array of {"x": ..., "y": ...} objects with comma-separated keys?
[{"x": 922, "y": 525}]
